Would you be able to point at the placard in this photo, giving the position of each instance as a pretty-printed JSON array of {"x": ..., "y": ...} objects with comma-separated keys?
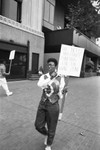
[
  {"x": 70, "y": 60},
  {"x": 12, "y": 55}
]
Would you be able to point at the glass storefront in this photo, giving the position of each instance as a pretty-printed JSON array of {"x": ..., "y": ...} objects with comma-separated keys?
[{"x": 19, "y": 64}]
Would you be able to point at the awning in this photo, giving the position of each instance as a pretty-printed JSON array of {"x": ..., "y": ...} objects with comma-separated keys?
[{"x": 54, "y": 39}]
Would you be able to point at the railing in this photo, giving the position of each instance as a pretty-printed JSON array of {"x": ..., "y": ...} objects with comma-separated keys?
[{"x": 20, "y": 26}]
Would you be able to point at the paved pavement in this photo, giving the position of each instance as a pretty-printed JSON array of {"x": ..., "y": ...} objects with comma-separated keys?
[{"x": 78, "y": 130}]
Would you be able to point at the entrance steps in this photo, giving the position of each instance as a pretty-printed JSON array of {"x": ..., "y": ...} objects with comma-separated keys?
[{"x": 33, "y": 77}]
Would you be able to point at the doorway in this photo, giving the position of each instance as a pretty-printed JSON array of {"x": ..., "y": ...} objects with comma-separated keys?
[
  {"x": 35, "y": 62},
  {"x": 19, "y": 63}
]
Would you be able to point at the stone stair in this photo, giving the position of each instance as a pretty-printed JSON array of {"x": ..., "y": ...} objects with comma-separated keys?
[{"x": 33, "y": 77}]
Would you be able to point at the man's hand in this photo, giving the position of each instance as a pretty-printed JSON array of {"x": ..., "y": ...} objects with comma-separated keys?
[
  {"x": 6, "y": 73},
  {"x": 54, "y": 74},
  {"x": 48, "y": 89},
  {"x": 65, "y": 90}
]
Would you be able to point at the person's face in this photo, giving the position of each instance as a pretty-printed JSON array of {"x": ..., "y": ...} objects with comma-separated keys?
[{"x": 51, "y": 66}]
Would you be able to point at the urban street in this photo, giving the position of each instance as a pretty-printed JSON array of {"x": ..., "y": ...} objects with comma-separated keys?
[{"x": 79, "y": 128}]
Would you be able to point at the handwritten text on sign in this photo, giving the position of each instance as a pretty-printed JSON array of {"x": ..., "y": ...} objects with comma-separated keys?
[{"x": 70, "y": 60}]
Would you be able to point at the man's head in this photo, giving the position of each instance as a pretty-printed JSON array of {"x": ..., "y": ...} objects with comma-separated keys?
[{"x": 52, "y": 63}]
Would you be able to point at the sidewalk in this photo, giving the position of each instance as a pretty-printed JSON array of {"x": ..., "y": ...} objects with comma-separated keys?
[{"x": 78, "y": 130}]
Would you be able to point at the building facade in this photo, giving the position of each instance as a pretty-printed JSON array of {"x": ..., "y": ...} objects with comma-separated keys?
[
  {"x": 21, "y": 30},
  {"x": 63, "y": 35},
  {"x": 36, "y": 30}
]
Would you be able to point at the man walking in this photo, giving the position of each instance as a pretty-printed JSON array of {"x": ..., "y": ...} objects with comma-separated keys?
[
  {"x": 48, "y": 109},
  {"x": 3, "y": 81}
]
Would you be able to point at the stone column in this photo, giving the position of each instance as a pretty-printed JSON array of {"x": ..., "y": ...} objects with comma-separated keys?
[
  {"x": 32, "y": 13},
  {"x": 40, "y": 15},
  {"x": 26, "y": 12},
  {"x": 37, "y": 14}
]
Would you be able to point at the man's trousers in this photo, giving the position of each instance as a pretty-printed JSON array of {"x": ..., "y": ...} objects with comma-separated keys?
[
  {"x": 3, "y": 83},
  {"x": 47, "y": 114}
]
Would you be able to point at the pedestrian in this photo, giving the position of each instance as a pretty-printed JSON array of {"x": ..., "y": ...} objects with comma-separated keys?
[
  {"x": 3, "y": 81},
  {"x": 48, "y": 109}
]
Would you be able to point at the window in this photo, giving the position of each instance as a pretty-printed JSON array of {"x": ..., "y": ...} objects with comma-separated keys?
[
  {"x": 19, "y": 10},
  {"x": 49, "y": 12},
  {"x": 0, "y": 7}
]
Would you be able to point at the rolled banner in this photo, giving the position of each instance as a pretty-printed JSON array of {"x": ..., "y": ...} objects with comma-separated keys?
[{"x": 63, "y": 83}]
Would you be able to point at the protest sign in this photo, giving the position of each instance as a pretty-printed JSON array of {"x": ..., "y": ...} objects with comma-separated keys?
[
  {"x": 12, "y": 55},
  {"x": 70, "y": 60}
]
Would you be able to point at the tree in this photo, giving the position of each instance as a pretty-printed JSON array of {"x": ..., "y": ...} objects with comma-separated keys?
[{"x": 84, "y": 16}]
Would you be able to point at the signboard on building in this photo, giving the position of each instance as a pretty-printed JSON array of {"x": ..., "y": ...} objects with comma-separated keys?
[{"x": 70, "y": 60}]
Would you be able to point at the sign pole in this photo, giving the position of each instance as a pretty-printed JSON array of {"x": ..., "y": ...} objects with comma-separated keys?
[
  {"x": 10, "y": 65},
  {"x": 66, "y": 80},
  {"x": 62, "y": 106}
]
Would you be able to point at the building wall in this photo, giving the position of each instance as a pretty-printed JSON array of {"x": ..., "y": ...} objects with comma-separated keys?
[
  {"x": 53, "y": 17},
  {"x": 8, "y": 33},
  {"x": 32, "y": 13},
  {"x": 30, "y": 29}
]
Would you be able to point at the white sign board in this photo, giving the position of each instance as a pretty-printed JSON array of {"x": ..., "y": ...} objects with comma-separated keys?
[
  {"x": 70, "y": 60},
  {"x": 12, "y": 55}
]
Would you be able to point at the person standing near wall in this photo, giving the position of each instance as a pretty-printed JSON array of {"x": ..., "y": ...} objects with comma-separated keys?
[
  {"x": 3, "y": 81},
  {"x": 48, "y": 109}
]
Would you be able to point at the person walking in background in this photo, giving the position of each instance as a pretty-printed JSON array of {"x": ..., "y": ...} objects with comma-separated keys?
[
  {"x": 48, "y": 109},
  {"x": 3, "y": 81}
]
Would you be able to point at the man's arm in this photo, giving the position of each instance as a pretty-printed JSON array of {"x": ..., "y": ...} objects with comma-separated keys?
[
  {"x": 43, "y": 81},
  {"x": 6, "y": 74},
  {"x": 65, "y": 89}
]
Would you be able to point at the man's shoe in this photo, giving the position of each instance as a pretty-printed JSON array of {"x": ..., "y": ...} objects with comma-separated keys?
[
  {"x": 48, "y": 148},
  {"x": 9, "y": 94},
  {"x": 60, "y": 116},
  {"x": 45, "y": 140}
]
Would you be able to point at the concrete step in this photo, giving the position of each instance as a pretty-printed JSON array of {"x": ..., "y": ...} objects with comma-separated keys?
[{"x": 34, "y": 77}]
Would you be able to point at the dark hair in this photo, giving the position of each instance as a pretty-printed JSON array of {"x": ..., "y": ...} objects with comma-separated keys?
[{"x": 52, "y": 60}]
